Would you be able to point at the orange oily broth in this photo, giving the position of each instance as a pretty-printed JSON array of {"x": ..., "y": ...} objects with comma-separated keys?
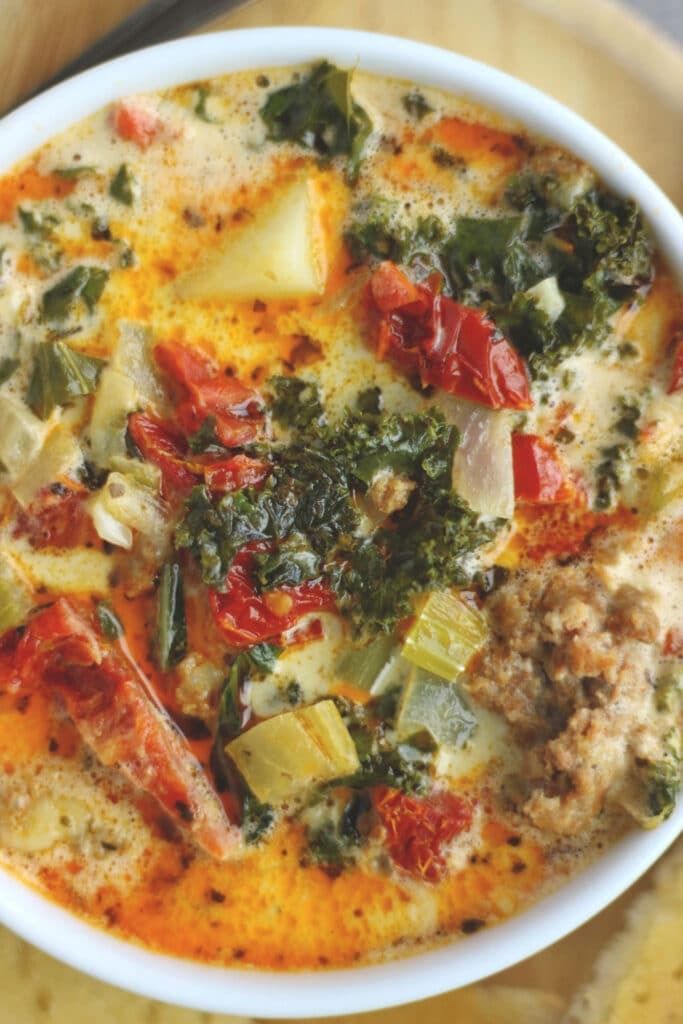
[{"x": 270, "y": 908}]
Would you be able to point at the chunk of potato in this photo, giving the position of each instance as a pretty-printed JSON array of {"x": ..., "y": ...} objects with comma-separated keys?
[
  {"x": 278, "y": 255},
  {"x": 290, "y": 752}
]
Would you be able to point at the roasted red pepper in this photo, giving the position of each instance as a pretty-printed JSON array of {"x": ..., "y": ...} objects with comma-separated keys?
[
  {"x": 418, "y": 830},
  {"x": 162, "y": 445},
  {"x": 450, "y": 346},
  {"x": 235, "y": 473},
  {"x": 135, "y": 124},
  {"x": 204, "y": 391},
  {"x": 247, "y": 617},
  {"x": 540, "y": 476},
  {"x": 111, "y": 705}
]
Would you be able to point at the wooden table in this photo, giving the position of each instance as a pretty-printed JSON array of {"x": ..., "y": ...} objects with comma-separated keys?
[{"x": 593, "y": 55}]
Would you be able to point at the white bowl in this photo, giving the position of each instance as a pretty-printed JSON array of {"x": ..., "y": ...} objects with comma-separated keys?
[{"x": 464, "y": 960}]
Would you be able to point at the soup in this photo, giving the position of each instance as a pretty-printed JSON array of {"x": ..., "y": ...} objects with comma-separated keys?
[{"x": 342, "y": 561}]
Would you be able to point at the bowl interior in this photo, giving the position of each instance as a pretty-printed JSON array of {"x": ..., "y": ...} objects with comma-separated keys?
[{"x": 270, "y": 994}]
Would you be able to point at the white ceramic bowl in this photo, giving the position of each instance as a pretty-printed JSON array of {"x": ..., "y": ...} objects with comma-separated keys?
[{"x": 266, "y": 993}]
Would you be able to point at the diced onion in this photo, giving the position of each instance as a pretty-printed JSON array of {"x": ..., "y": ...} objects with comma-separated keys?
[{"x": 482, "y": 467}]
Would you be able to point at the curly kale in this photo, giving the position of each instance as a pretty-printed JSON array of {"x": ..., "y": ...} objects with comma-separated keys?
[
  {"x": 377, "y": 232},
  {"x": 308, "y": 511},
  {"x": 295, "y": 402},
  {"x": 595, "y": 245}
]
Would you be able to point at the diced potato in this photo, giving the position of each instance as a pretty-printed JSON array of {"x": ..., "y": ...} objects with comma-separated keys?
[
  {"x": 15, "y": 595},
  {"x": 116, "y": 397},
  {"x": 59, "y": 457},
  {"x": 277, "y": 255},
  {"x": 22, "y": 435},
  {"x": 69, "y": 570},
  {"x": 548, "y": 297},
  {"x": 286, "y": 754}
]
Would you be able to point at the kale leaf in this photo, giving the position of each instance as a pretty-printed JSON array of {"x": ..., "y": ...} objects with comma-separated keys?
[
  {"x": 83, "y": 283},
  {"x": 318, "y": 112},
  {"x": 295, "y": 402},
  {"x": 308, "y": 511},
  {"x": 377, "y": 232}
]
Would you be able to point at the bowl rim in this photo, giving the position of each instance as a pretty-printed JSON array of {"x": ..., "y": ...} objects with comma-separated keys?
[{"x": 254, "y": 992}]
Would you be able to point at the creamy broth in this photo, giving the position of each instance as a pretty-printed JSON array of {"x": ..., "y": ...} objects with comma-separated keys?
[{"x": 194, "y": 292}]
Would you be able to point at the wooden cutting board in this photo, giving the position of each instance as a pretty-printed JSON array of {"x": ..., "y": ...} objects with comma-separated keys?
[{"x": 593, "y": 55}]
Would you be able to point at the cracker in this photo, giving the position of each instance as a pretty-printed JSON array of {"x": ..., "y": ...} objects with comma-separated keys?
[
  {"x": 38, "y": 990},
  {"x": 638, "y": 978}
]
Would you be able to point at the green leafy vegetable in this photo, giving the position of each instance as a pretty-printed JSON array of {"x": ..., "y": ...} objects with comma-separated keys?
[
  {"x": 319, "y": 113},
  {"x": 8, "y": 365},
  {"x": 171, "y": 640},
  {"x": 200, "y": 105},
  {"x": 205, "y": 439},
  {"x": 83, "y": 284},
  {"x": 39, "y": 227},
  {"x": 123, "y": 186},
  {"x": 76, "y": 171},
  {"x": 257, "y": 819},
  {"x": 333, "y": 844},
  {"x": 378, "y": 232},
  {"x": 59, "y": 375},
  {"x": 295, "y": 402},
  {"x": 110, "y": 623},
  {"x": 307, "y": 507},
  {"x": 293, "y": 563}
]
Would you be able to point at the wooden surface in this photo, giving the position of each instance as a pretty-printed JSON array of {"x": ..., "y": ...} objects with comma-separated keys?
[{"x": 592, "y": 55}]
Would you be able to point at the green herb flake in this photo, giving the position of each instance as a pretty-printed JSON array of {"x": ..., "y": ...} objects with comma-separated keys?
[
  {"x": 123, "y": 186},
  {"x": 415, "y": 104},
  {"x": 110, "y": 623},
  {"x": 203, "y": 94},
  {"x": 295, "y": 402},
  {"x": 60, "y": 374},
  {"x": 76, "y": 171},
  {"x": 171, "y": 624},
  {"x": 83, "y": 284}
]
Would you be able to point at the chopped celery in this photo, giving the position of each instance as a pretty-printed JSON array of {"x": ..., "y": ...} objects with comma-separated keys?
[
  {"x": 132, "y": 356},
  {"x": 116, "y": 397},
  {"x": 285, "y": 755},
  {"x": 60, "y": 374},
  {"x": 59, "y": 457},
  {"x": 145, "y": 473},
  {"x": 433, "y": 704},
  {"x": 21, "y": 435},
  {"x": 445, "y": 635},
  {"x": 171, "y": 625},
  {"x": 362, "y": 665},
  {"x": 15, "y": 595}
]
